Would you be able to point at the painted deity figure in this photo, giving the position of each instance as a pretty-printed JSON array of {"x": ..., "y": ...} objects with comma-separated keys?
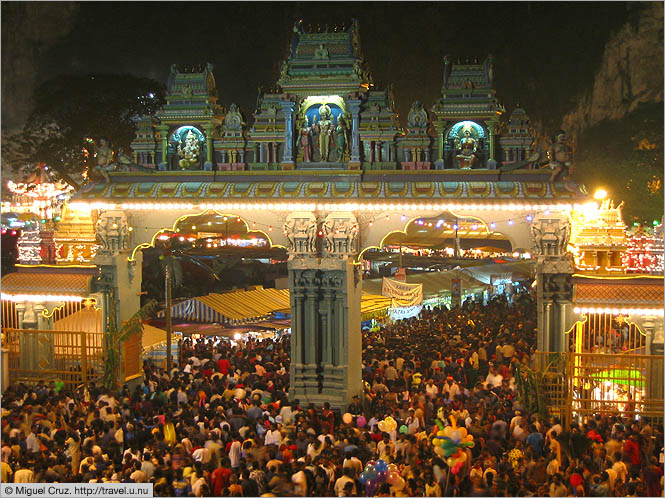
[
  {"x": 189, "y": 154},
  {"x": 466, "y": 148},
  {"x": 340, "y": 138},
  {"x": 104, "y": 159},
  {"x": 560, "y": 156},
  {"x": 324, "y": 128},
  {"x": 305, "y": 145}
]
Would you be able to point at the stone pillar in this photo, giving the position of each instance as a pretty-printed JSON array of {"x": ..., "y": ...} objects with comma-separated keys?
[
  {"x": 379, "y": 156},
  {"x": 325, "y": 301},
  {"x": 262, "y": 152},
  {"x": 491, "y": 128},
  {"x": 208, "y": 163},
  {"x": 164, "y": 132},
  {"x": 553, "y": 275},
  {"x": 354, "y": 108},
  {"x": 439, "y": 164},
  {"x": 287, "y": 158}
]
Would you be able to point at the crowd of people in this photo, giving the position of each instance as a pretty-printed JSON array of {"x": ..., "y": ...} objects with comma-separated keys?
[{"x": 221, "y": 423}]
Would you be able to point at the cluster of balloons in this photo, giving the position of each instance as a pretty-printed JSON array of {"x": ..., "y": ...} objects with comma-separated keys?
[
  {"x": 449, "y": 442},
  {"x": 388, "y": 424},
  {"x": 377, "y": 472}
]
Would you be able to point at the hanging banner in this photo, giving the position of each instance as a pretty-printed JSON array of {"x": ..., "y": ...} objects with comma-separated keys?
[
  {"x": 402, "y": 313},
  {"x": 403, "y": 294}
]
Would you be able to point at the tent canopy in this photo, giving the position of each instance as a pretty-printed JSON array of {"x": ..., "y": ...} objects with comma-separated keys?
[
  {"x": 433, "y": 282},
  {"x": 245, "y": 307}
]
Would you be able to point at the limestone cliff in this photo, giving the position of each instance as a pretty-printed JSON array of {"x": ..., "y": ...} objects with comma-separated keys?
[{"x": 631, "y": 72}]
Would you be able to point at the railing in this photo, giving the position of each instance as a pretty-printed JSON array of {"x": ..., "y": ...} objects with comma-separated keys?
[
  {"x": 581, "y": 385},
  {"x": 70, "y": 357}
]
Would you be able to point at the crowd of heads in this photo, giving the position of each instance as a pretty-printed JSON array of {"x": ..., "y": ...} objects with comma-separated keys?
[{"x": 220, "y": 423}]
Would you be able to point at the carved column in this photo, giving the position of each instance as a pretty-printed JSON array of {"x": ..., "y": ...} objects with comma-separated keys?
[
  {"x": 208, "y": 163},
  {"x": 354, "y": 108},
  {"x": 164, "y": 132},
  {"x": 439, "y": 164},
  {"x": 553, "y": 275},
  {"x": 287, "y": 158},
  {"x": 262, "y": 153},
  {"x": 325, "y": 300}
]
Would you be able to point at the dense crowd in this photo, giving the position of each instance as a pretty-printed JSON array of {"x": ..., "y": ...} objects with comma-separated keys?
[{"x": 221, "y": 423}]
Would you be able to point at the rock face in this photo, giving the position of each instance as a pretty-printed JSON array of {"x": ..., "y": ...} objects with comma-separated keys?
[
  {"x": 29, "y": 29},
  {"x": 631, "y": 73}
]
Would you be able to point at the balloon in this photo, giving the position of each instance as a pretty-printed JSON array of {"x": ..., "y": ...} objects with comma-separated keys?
[
  {"x": 371, "y": 462},
  {"x": 462, "y": 431},
  {"x": 439, "y": 451},
  {"x": 347, "y": 418},
  {"x": 381, "y": 465},
  {"x": 463, "y": 457},
  {"x": 381, "y": 475},
  {"x": 392, "y": 477},
  {"x": 393, "y": 468},
  {"x": 440, "y": 434},
  {"x": 371, "y": 486},
  {"x": 400, "y": 484},
  {"x": 404, "y": 430},
  {"x": 370, "y": 471},
  {"x": 382, "y": 426},
  {"x": 456, "y": 468},
  {"x": 456, "y": 435},
  {"x": 450, "y": 462},
  {"x": 363, "y": 478},
  {"x": 361, "y": 421},
  {"x": 391, "y": 423}
]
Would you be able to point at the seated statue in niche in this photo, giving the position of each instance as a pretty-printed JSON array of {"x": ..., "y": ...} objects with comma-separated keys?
[
  {"x": 560, "y": 156},
  {"x": 466, "y": 149},
  {"x": 189, "y": 154},
  {"x": 324, "y": 128}
]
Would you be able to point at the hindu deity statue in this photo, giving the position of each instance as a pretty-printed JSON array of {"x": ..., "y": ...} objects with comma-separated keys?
[
  {"x": 560, "y": 156},
  {"x": 340, "y": 138},
  {"x": 466, "y": 148},
  {"x": 304, "y": 143},
  {"x": 325, "y": 128},
  {"x": 189, "y": 154},
  {"x": 104, "y": 159}
]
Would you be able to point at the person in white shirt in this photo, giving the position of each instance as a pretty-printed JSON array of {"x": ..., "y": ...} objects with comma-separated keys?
[
  {"x": 431, "y": 388},
  {"x": 451, "y": 387},
  {"x": 273, "y": 436},
  {"x": 493, "y": 379},
  {"x": 341, "y": 482}
]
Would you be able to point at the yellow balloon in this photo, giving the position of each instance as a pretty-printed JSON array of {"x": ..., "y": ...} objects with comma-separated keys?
[
  {"x": 469, "y": 438},
  {"x": 439, "y": 451},
  {"x": 462, "y": 457},
  {"x": 440, "y": 434},
  {"x": 382, "y": 426}
]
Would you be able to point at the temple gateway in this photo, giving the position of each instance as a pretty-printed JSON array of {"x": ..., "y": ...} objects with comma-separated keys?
[{"x": 323, "y": 169}]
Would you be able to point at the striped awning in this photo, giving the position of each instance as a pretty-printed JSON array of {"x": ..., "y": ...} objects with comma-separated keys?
[{"x": 252, "y": 306}]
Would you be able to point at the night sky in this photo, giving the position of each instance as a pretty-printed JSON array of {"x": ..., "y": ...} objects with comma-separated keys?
[{"x": 545, "y": 52}]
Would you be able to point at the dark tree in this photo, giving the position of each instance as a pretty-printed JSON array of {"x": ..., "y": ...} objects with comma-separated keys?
[{"x": 71, "y": 112}]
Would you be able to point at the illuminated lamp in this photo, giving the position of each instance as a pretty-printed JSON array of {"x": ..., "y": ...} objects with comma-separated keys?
[{"x": 600, "y": 194}]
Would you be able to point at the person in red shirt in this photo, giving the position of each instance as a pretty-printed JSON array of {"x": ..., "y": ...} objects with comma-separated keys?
[
  {"x": 220, "y": 477},
  {"x": 631, "y": 448},
  {"x": 223, "y": 365}
]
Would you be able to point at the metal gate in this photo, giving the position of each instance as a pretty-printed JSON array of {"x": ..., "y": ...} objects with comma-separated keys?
[
  {"x": 606, "y": 333},
  {"x": 70, "y": 357},
  {"x": 581, "y": 385}
]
